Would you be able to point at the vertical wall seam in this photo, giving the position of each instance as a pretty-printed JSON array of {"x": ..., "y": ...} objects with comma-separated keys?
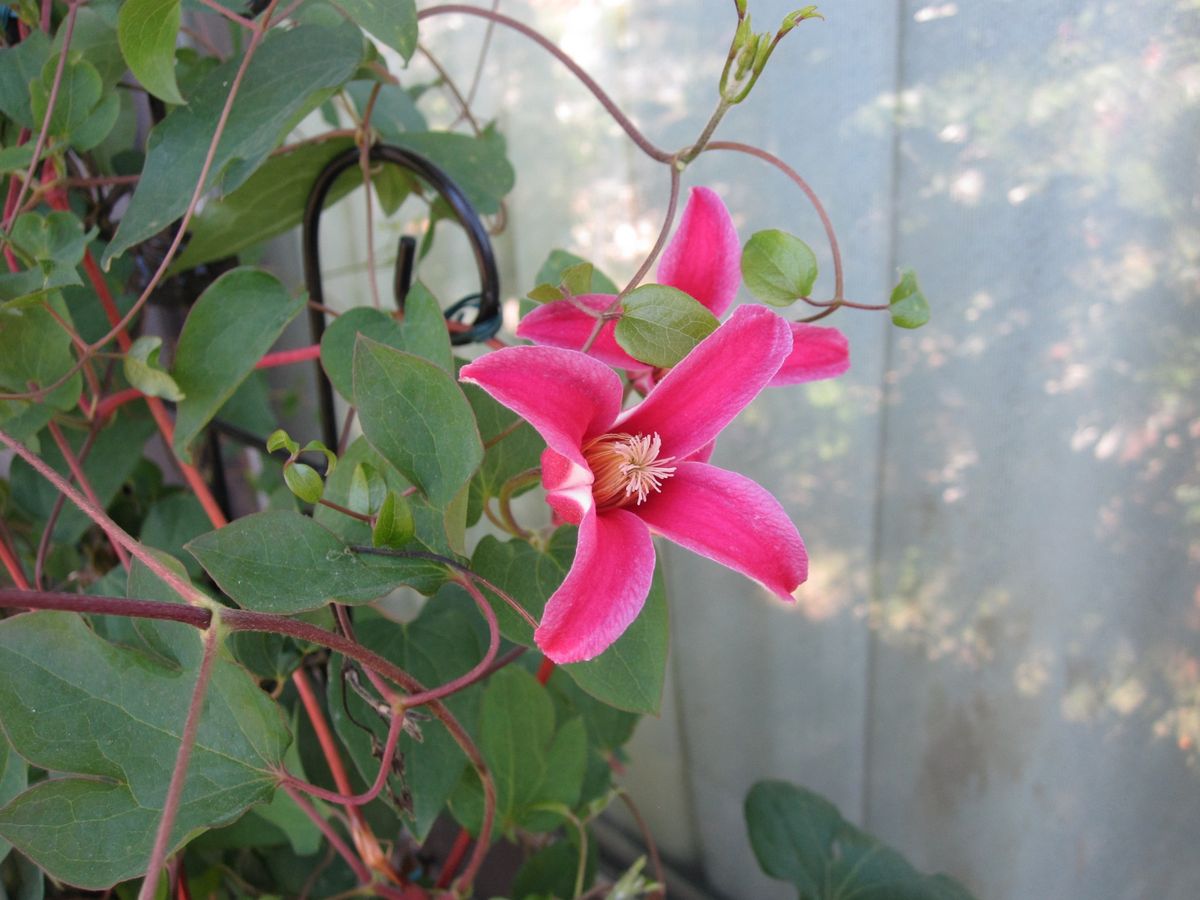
[{"x": 875, "y": 549}]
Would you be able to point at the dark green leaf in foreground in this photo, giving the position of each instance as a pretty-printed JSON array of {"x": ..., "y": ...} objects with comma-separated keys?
[
  {"x": 147, "y": 30},
  {"x": 629, "y": 674},
  {"x": 108, "y": 719},
  {"x": 422, "y": 332},
  {"x": 14, "y": 778},
  {"x": 415, "y": 415},
  {"x": 908, "y": 305},
  {"x": 778, "y": 268},
  {"x": 392, "y": 21},
  {"x": 269, "y": 203},
  {"x": 291, "y": 74},
  {"x": 235, "y": 321},
  {"x": 283, "y": 562},
  {"x": 660, "y": 325},
  {"x": 799, "y": 836},
  {"x": 534, "y": 765}
]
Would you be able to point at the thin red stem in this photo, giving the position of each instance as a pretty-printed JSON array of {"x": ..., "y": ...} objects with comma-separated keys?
[
  {"x": 287, "y": 357},
  {"x": 162, "y": 838},
  {"x": 361, "y": 872},
  {"x": 8, "y": 556},
  {"x": 101, "y": 518},
  {"x": 385, "y": 768},
  {"x": 454, "y": 859},
  {"x": 196, "y": 616},
  {"x": 81, "y": 479},
  {"x": 563, "y": 57},
  {"x": 826, "y": 223},
  {"x": 545, "y": 670}
]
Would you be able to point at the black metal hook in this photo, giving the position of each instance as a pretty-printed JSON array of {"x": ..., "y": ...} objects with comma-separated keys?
[{"x": 487, "y": 319}]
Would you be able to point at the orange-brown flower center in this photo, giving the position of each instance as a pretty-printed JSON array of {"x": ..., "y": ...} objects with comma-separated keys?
[{"x": 626, "y": 468}]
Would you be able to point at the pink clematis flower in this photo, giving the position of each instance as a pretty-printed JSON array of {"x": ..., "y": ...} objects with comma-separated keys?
[
  {"x": 622, "y": 476},
  {"x": 702, "y": 260}
]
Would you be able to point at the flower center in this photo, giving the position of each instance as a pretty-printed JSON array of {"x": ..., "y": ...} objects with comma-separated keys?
[{"x": 625, "y": 466}]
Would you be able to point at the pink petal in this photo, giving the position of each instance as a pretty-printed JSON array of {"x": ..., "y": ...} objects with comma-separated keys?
[
  {"x": 568, "y": 487},
  {"x": 817, "y": 352},
  {"x": 603, "y": 592},
  {"x": 560, "y": 324},
  {"x": 566, "y": 396},
  {"x": 729, "y": 518},
  {"x": 704, "y": 257},
  {"x": 701, "y": 395}
]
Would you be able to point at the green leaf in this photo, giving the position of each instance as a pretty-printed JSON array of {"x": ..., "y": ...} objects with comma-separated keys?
[
  {"x": 147, "y": 30},
  {"x": 35, "y": 348},
  {"x": 291, "y": 74},
  {"x": 558, "y": 262},
  {"x": 395, "y": 110},
  {"x": 54, "y": 245},
  {"x": 97, "y": 126},
  {"x": 660, "y": 325},
  {"x": 908, "y": 305},
  {"x": 281, "y": 440},
  {"x": 799, "y": 836},
  {"x": 78, "y": 95},
  {"x": 19, "y": 66},
  {"x": 143, "y": 372},
  {"x": 423, "y": 332},
  {"x": 778, "y": 268},
  {"x": 303, "y": 481},
  {"x": 478, "y": 165},
  {"x": 532, "y": 764},
  {"x": 392, "y": 21},
  {"x": 235, "y": 321},
  {"x": 367, "y": 490},
  {"x": 14, "y": 778},
  {"x": 283, "y": 562},
  {"x": 628, "y": 675},
  {"x": 173, "y": 521},
  {"x": 395, "y": 526},
  {"x": 439, "y": 646},
  {"x": 16, "y": 159},
  {"x": 268, "y": 204},
  {"x": 577, "y": 279},
  {"x": 95, "y": 39},
  {"x": 109, "y": 719},
  {"x": 416, "y": 416}
]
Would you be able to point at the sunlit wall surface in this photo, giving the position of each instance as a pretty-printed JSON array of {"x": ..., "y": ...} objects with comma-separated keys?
[{"x": 996, "y": 663}]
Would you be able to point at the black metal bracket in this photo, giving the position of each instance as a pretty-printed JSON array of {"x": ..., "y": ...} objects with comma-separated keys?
[{"x": 487, "y": 319}]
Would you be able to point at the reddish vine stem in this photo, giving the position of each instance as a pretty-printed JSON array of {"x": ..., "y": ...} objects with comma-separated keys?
[
  {"x": 8, "y": 556},
  {"x": 162, "y": 837},
  {"x": 364, "y": 838},
  {"x": 364, "y": 165},
  {"x": 669, "y": 219},
  {"x": 196, "y": 616},
  {"x": 287, "y": 357},
  {"x": 826, "y": 223},
  {"x": 101, "y": 518},
  {"x": 81, "y": 479},
  {"x": 335, "y": 840},
  {"x": 648, "y": 840},
  {"x": 480, "y": 669},
  {"x": 385, "y": 766},
  {"x": 43, "y": 548},
  {"x": 546, "y": 44}
]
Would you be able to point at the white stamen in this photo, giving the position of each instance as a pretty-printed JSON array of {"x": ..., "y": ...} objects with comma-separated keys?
[{"x": 642, "y": 468}]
